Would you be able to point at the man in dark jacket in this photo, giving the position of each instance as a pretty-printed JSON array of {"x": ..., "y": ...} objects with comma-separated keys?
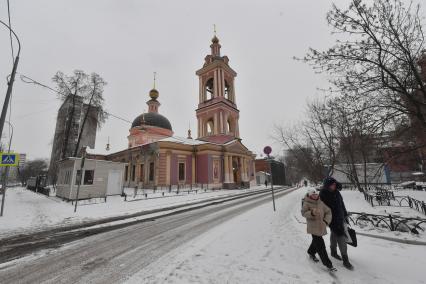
[{"x": 331, "y": 196}]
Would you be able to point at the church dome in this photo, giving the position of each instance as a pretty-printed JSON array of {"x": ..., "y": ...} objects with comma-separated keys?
[
  {"x": 152, "y": 119},
  {"x": 215, "y": 39},
  {"x": 153, "y": 94}
]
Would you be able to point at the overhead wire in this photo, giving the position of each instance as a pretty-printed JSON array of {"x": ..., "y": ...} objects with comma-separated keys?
[{"x": 29, "y": 80}]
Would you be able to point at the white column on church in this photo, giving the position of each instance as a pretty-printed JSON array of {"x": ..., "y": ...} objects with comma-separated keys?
[
  {"x": 168, "y": 161},
  {"x": 222, "y": 83},
  {"x": 216, "y": 123},
  {"x": 200, "y": 129},
  {"x": 221, "y": 122},
  {"x": 226, "y": 168},
  {"x": 233, "y": 92},
  {"x": 243, "y": 169},
  {"x": 231, "y": 171},
  {"x": 201, "y": 90},
  {"x": 216, "y": 86},
  {"x": 225, "y": 124}
]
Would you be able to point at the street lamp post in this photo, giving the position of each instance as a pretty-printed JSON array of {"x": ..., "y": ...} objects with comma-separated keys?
[
  {"x": 10, "y": 82},
  {"x": 5, "y": 174},
  {"x": 5, "y": 107}
]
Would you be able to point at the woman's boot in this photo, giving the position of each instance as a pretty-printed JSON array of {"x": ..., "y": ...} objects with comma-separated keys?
[{"x": 346, "y": 262}]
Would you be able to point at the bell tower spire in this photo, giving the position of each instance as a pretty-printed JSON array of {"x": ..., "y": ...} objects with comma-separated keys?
[
  {"x": 153, "y": 104},
  {"x": 217, "y": 111},
  {"x": 215, "y": 46}
]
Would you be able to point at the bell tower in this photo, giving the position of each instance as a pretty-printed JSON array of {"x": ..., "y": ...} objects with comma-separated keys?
[{"x": 217, "y": 112}]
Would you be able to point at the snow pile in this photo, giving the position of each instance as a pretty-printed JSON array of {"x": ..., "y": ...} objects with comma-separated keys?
[
  {"x": 27, "y": 211},
  {"x": 262, "y": 246}
]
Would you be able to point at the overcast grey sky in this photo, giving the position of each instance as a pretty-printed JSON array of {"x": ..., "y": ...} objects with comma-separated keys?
[{"x": 126, "y": 40}]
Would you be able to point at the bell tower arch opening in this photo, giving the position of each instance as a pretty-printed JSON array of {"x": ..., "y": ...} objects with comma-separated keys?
[
  {"x": 209, "y": 90},
  {"x": 210, "y": 127},
  {"x": 227, "y": 91}
]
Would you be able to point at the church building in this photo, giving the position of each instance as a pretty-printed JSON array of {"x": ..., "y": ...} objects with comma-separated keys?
[{"x": 216, "y": 158}]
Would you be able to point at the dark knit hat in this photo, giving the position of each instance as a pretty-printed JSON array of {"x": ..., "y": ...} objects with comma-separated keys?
[{"x": 329, "y": 181}]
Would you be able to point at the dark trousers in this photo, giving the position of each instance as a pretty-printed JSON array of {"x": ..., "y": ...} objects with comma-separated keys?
[
  {"x": 336, "y": 240},
  {"x": 318, "y": 246}
]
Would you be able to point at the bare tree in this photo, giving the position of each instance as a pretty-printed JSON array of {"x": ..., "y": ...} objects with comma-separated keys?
[
  {"x": 68, "y": 88},
  {"x": 94, "y": 101},
  {"x": 376, "y": 56},
  {"x": 33, "y": 168},
  {"x": 85, "y": 89},
  {"x": 306, "y": 157}
]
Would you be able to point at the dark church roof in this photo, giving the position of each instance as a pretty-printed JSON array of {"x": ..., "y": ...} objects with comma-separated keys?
[{"x": 152, "y": 119}]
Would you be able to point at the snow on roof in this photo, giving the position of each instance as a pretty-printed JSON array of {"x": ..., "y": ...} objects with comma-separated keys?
[
  {"x": 262, "y": 172},
  {"x": 181, "y": 140},
  {"x": 97, "y": 151},
  {"x": 230, "y": 142}
]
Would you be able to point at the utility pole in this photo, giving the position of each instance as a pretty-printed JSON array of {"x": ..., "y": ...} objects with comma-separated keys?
[
  {"x": 83, "y": 158},
  {"x": 5, "y": 107},
  {"x": 10, "y": 82},
  {"x": 272, "y": 181}
]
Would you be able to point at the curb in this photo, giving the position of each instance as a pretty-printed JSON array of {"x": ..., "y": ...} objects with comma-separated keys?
[{"x": 402, "y": 241}]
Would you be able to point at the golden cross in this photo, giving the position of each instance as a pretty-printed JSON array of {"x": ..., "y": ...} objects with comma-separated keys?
[
  {"x": 214, "y": 29},
  {"x": 155, "y": 74}
]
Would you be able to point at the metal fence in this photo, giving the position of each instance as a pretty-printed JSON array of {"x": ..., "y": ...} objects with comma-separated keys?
[
  {"x": 388, "y": 198},
  {"x": 162, "y": 191},
  {"x": 368, "y": 186},
  {"x": 390, "y": 222}
]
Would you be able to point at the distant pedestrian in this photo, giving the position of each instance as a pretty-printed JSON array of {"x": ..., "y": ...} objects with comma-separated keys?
[
  {"x": 266, "y": 183},
  {"x": 331, "y": 196},
  {"x": 318, "y": 217},
  {"x": 305, "y": 182}
]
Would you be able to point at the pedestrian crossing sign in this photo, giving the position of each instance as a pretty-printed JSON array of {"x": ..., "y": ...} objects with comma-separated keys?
[{"x": 9, "y": 159}]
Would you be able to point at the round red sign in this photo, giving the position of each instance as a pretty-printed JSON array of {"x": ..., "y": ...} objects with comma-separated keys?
[{"x": 267, "y": 150}]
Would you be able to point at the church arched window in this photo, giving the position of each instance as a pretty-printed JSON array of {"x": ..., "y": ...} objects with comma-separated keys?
[
  {"x": 227, "y": 92},
  {"x": 210, "y": 127},
  {"x": 229, "y": 126},
  {"x": 208, "y": 90}
]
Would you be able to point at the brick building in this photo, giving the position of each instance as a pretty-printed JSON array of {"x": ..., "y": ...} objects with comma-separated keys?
[{"x": 278, "y": 170}]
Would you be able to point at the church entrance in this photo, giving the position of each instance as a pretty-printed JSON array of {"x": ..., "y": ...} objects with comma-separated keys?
[{"x": 236, "y": 167}]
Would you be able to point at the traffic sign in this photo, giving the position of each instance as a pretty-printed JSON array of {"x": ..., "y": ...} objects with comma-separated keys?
[
  {"x": 9, "y": 159},
  {"x": 267, "y": 150}
]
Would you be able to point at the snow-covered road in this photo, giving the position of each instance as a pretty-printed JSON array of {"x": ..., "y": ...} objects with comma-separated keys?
[
  {"x": 28, "y": 212},
  {"x": 114, "y": 256},
  {"x": 261, "y": 246}
]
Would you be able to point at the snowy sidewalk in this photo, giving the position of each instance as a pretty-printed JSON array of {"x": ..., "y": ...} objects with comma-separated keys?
[
  {"x": 26, "y": 211},
  {"x": 261, "y": 246}
]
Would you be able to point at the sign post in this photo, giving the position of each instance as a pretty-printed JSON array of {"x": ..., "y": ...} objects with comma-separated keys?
[
  {"x": 6, "y": 160},
  {"x": 267, "y": 150}
]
